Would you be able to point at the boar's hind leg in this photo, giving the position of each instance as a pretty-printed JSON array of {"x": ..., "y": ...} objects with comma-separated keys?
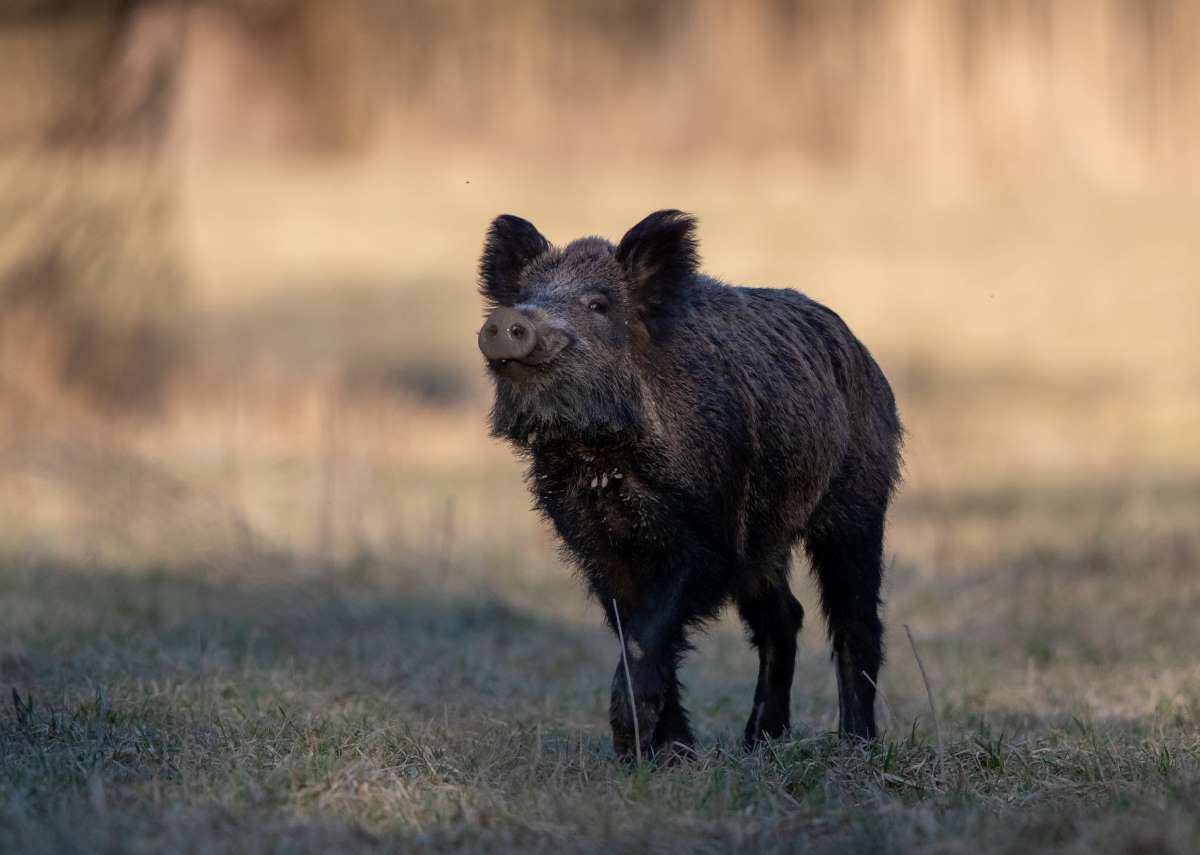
[
  {"x": 774, "y": 619},
  {"x": 846, "y": 548}
]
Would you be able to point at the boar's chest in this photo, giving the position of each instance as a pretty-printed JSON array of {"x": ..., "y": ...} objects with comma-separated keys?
[{"x": 599, "y": 499}]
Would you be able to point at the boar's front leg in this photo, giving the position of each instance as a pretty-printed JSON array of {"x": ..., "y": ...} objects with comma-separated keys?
[
  {"x": 654, "y": 642},
  {"x": 662, "y": 721}
]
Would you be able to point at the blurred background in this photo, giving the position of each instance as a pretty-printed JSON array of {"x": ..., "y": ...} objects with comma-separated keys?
[
  {"x": 243, "y": 454},
  {"x": 238, "y": 243},
  {"x": 238, "y": 238}
]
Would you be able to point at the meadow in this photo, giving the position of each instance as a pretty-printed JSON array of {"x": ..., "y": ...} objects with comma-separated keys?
[{"x": 304, "y": 606}]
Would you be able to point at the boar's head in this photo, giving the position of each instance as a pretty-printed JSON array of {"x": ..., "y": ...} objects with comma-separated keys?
[{"x": 568, "y": 336}]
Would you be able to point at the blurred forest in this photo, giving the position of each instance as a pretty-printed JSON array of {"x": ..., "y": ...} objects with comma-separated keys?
[
  {"x": 932, "y": 91},
  {"x": 214, "y": 202},
  {"x": 1107, "y": 89}
]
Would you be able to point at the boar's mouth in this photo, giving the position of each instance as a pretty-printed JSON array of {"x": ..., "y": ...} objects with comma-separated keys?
[
  {"x": 565, "y": 399},
  {"x": 517, "y": 370}
]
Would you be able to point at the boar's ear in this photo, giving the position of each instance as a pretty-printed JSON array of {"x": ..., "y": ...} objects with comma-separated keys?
[
  {"x": 659, "y": 255},
  {"x": 511, "y": 244}
]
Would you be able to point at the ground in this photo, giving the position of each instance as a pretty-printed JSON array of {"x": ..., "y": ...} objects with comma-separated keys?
[{"x": 306, "y": 607}]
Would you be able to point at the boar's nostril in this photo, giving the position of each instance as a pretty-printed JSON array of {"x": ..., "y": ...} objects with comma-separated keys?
[{"x": 507, "y": 334}]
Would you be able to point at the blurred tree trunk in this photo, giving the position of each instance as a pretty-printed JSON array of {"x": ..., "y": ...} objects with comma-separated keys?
[
  {"x": 90, "y": 282},
  {"x": 280, "y": 76}
]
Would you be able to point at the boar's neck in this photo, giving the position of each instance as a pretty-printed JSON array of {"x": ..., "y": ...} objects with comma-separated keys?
[{"x": 604, "y": 411}]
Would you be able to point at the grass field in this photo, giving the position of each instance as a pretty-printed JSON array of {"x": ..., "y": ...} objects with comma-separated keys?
[{"x": 306, "y": 608}]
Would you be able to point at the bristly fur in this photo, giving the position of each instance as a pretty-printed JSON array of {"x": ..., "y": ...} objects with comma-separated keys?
[{"x": 686, "y": 436}]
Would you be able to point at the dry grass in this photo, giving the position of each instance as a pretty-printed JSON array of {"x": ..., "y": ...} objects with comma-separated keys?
[{"x": 307, "y": 609}]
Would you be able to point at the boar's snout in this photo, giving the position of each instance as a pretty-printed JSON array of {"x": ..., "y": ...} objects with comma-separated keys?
[{"x": 507, "y": 334}]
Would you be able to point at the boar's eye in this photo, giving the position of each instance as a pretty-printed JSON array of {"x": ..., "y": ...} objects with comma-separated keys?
[{"x": 599, "y": 305}]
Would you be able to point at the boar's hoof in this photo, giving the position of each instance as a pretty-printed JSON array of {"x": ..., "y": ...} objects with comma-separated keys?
[{"x": 625, "y": 736}]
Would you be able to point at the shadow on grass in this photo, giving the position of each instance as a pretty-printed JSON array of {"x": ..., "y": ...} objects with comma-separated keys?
[
  {"x": 361, "y": 708},
  {"x": 337, "y": 634},
  {"x": 239, "y": 696}
]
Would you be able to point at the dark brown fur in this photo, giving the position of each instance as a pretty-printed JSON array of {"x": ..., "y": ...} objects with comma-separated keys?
[{"x": 685, "y": 436}]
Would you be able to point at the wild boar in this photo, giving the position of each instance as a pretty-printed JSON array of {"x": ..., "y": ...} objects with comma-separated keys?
[{"x": 683, "y": 436}]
